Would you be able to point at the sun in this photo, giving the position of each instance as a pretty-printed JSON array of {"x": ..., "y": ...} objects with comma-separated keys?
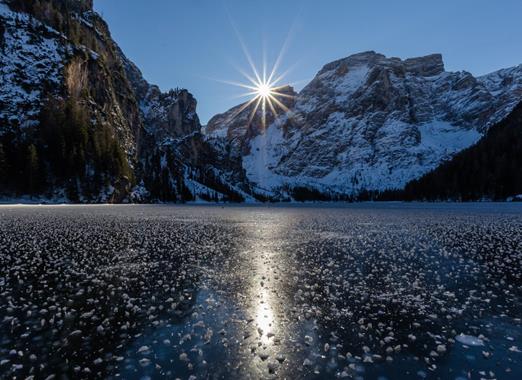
[
  {"x": 269, "y": 98},
  {"x": 264, "y": 93},
  {"x": 264, "y": 90}
]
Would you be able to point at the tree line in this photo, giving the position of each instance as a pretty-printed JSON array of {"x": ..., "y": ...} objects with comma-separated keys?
[{"x": 65, "y": 150}]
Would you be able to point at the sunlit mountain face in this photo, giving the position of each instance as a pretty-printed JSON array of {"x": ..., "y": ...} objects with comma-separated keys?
[{"x": 367, "y": 123}]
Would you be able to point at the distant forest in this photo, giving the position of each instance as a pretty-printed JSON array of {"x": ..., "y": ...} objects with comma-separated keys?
[{"x": 63, "y": 150}]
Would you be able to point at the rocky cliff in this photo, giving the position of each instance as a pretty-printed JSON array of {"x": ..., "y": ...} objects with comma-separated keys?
[{"x": 79, "y": 122}]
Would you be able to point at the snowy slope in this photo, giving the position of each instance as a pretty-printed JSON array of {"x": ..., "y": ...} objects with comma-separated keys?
[{"x": 31, "y": 60}]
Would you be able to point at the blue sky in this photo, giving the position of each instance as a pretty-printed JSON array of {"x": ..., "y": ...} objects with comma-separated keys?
[{"x": 193, "y": 43}]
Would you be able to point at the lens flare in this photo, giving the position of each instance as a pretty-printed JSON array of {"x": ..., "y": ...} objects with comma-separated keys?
[
  {"x": 262, "y": 87},
  {"x": 264, "y": 90}
]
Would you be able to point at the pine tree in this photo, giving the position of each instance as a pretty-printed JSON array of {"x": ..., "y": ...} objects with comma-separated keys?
[
  {"x": 3, "y": 165},
  {"x": 71, "y": 190},
  {"x": 31, "y": 169}
]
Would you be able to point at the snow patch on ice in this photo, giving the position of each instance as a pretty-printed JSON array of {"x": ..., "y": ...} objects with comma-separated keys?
[{"x": 469, "y": 340}]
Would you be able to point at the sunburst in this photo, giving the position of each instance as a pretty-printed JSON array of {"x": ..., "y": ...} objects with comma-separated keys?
[
  {"x": 264, "y": 92},
  {"x": 264, "y": 88}
]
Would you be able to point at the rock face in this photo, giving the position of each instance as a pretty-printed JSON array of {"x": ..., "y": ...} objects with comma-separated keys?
[
  {"x": 58, "y": 59},
  {"x": 165, "y": 115},
  {"x": 175, "y": 161},
  {"x": 48, "y": 53},
  {"x": 69, "y": 94},
  {"x": 370, "y": 123}
]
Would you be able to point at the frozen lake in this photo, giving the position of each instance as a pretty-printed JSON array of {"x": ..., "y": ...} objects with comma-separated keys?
[{"x": 369, "y": 291}]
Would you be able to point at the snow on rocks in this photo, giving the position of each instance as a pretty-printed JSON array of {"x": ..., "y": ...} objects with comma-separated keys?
[
  {"x": 340, "y": 136},
  {"x": 41, "y": 52}
]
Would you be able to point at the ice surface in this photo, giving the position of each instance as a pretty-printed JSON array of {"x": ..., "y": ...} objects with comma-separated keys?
[{"x": 260, "y": 292}]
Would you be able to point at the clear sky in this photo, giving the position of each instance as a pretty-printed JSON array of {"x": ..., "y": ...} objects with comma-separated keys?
[{"x": 193, "y": 43}]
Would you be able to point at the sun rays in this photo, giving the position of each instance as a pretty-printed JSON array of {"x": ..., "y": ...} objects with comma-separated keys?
[
  {"x": 264, "y": 91},
  {"x": 263, "y": 87}
]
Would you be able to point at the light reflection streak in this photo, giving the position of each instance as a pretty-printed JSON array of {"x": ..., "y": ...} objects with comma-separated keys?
[{"x": 264, "y": 303}]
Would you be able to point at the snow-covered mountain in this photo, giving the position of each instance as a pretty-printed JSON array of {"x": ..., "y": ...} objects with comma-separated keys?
[{"x": 368, "y": 123}]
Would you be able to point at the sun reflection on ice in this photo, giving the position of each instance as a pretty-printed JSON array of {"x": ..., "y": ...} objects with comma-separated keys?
[
  {"x": 265, "y": 317},
  {"x": 264, "y": 302},
  {"x": 268, "y": 350}
]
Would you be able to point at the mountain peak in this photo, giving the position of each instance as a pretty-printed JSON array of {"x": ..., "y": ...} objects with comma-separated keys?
[
  {"x": 286, "y": 90},
  {"x": 428, "y": 65},
  {"x": 368, "y": 58}
]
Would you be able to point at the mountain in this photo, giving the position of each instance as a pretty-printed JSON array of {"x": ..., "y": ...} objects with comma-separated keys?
[
  {"x": 79, "y": 122},
  {"x": 366, "y": 123},
  {"x": 175, "y": 158},
  {"x": 490, "y": 169},
  {"x": 247, "y": 121}
]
